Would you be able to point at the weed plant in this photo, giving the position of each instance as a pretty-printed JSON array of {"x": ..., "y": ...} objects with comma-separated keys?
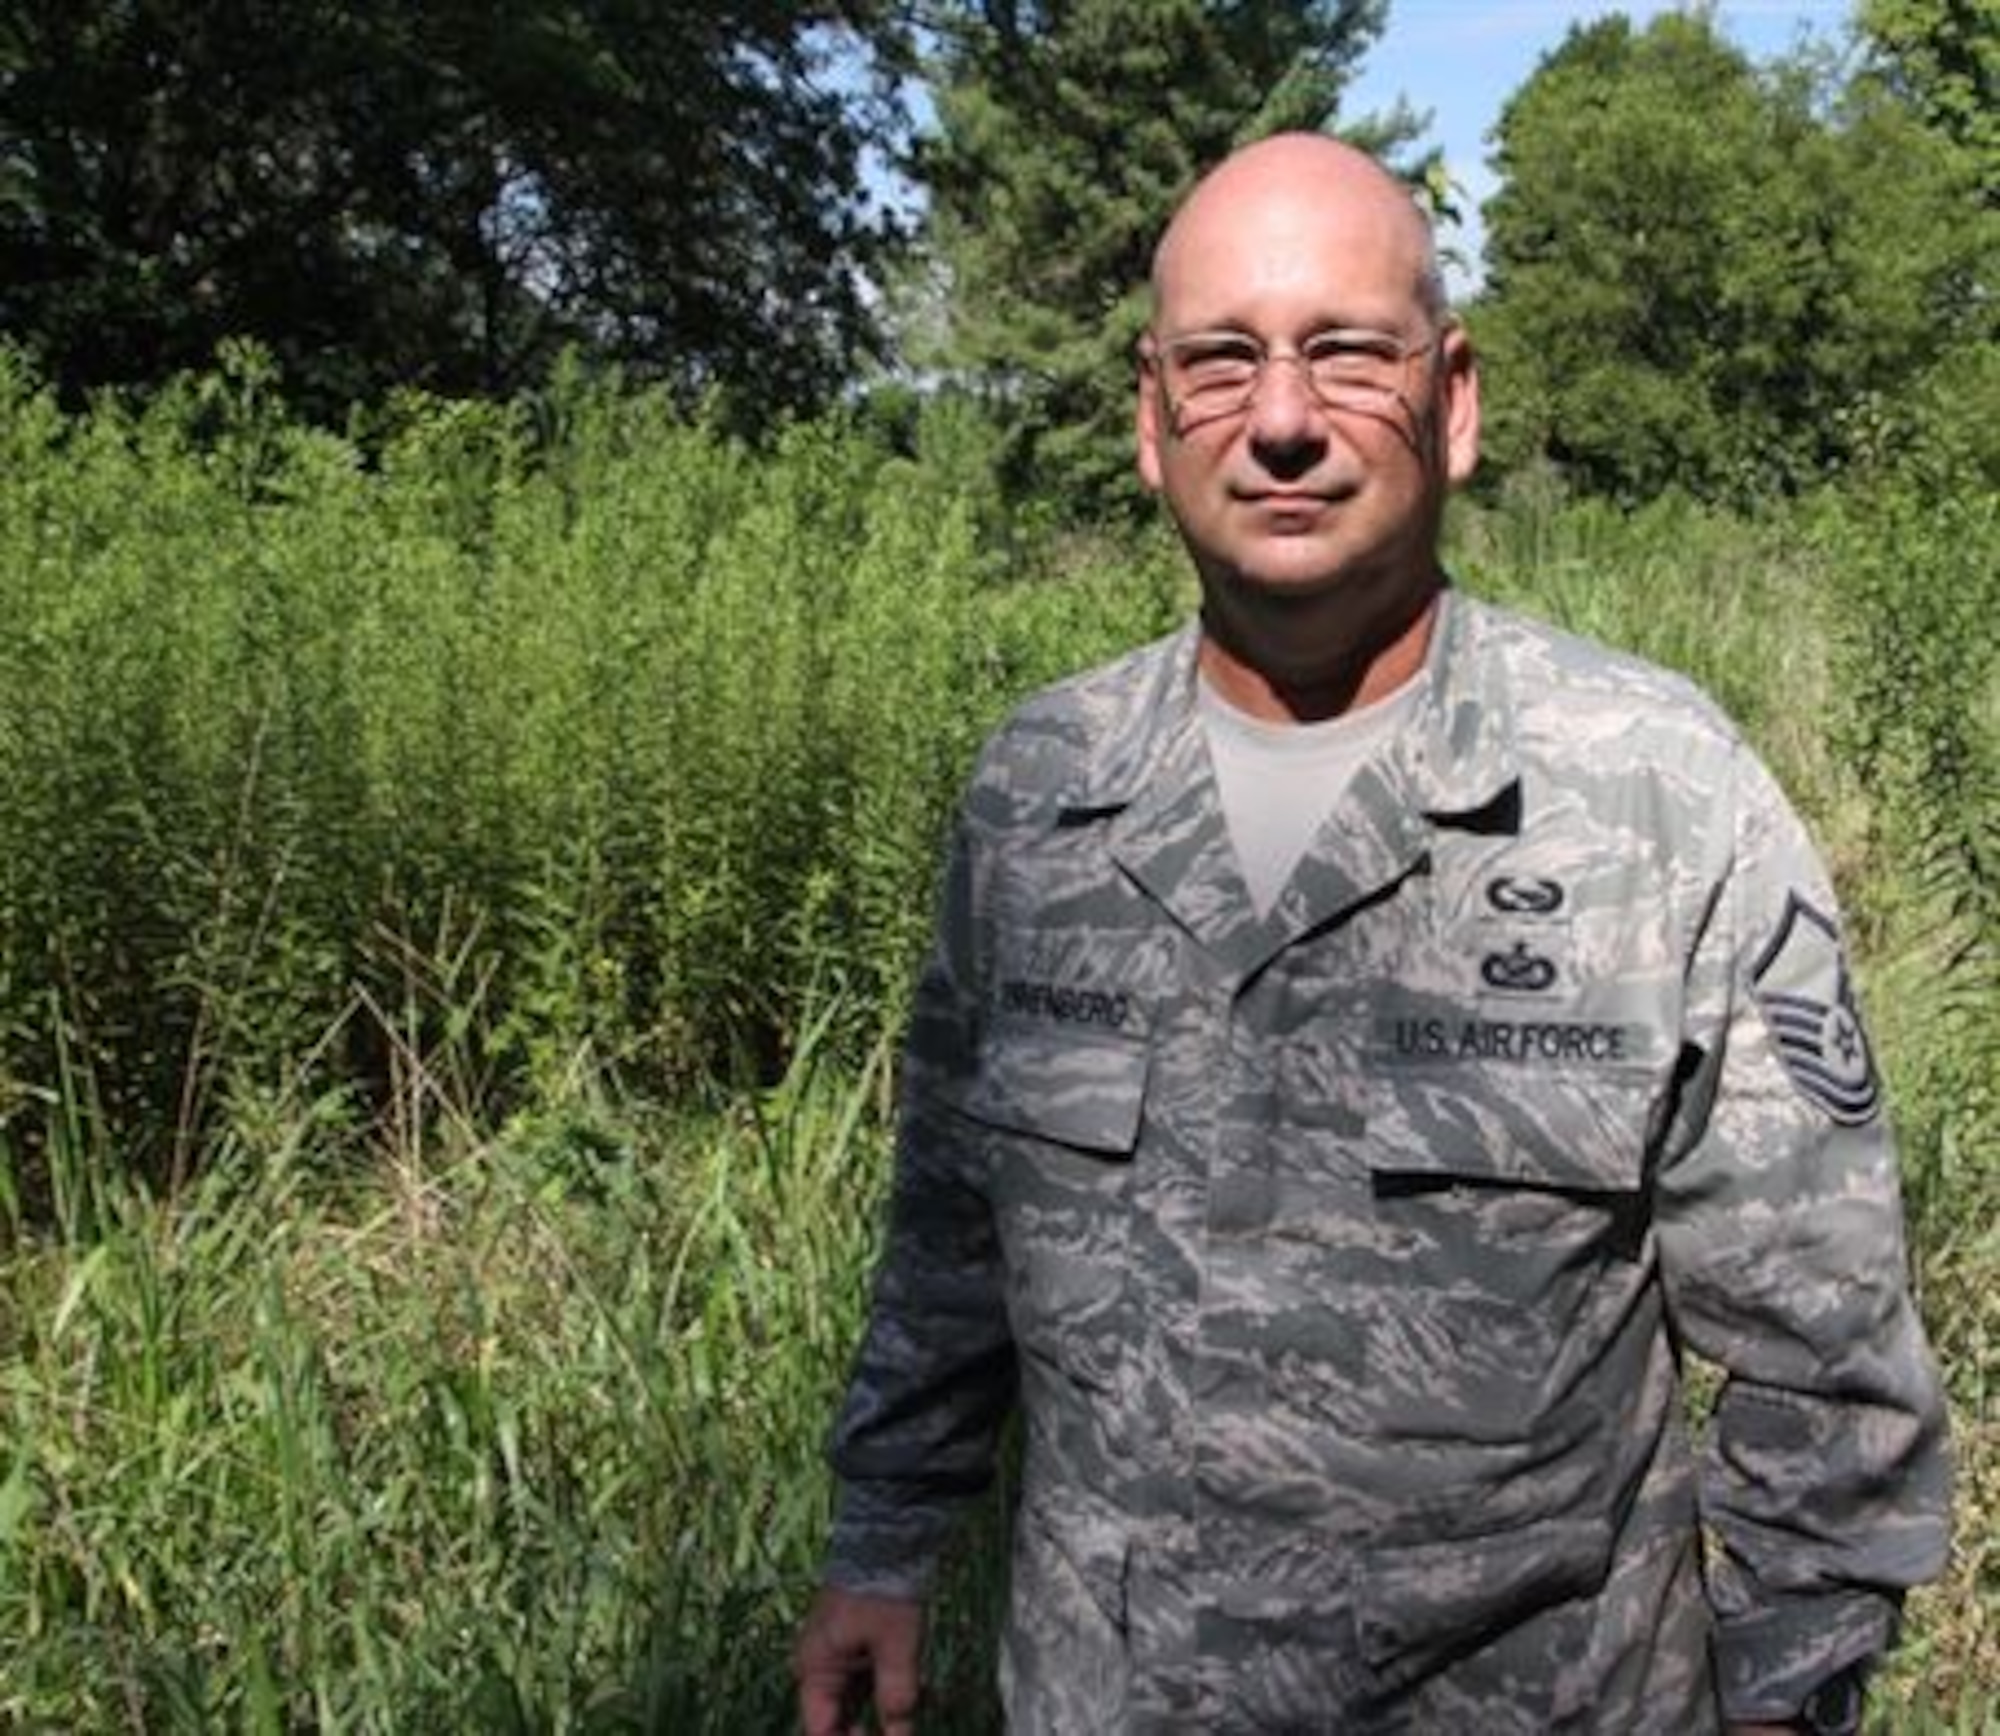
[
  {"x": 572, "y": 712},
  {"x": 526, "y": 1441}
]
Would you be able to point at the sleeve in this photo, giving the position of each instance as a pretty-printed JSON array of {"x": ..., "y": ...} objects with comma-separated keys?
[
  {"x": 1825, "y": 1483},
  {"x": 916, "y": 1439}
]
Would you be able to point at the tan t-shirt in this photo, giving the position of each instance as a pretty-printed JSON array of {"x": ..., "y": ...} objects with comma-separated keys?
[{"x": 1279, "y": 781}]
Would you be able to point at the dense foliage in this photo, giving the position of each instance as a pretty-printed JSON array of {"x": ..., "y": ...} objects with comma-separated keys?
[
  {"x": 1942, "y": 57},
  {"x": 441, "y": 195},
  {"x": 1702, "y": 276},
  {"x": 1701, "y": 273},
  {"x": 574, "y": 712}
]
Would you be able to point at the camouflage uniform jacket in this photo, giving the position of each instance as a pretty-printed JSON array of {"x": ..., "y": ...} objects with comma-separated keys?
[{"x": 1341, "y": 1260}]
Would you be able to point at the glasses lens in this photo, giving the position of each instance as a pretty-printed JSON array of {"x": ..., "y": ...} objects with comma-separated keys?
[
  {"x": 1213, "y": 373},
  {"x": 1361, "y": 368}
]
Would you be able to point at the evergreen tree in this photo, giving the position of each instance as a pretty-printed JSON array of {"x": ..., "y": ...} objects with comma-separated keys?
[{"x": 1065, "y": 133}]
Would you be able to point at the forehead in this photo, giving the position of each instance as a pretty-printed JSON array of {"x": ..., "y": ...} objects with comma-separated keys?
[{"x": 1285, "y": 258}]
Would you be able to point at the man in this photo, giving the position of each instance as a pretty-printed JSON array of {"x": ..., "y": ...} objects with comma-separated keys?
[{"x": 1369, "y": 1036}]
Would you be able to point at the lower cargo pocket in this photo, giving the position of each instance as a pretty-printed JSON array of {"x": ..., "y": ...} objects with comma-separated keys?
[
  {"x": 1063, "y": 1659},
  {"x": 1418, "y": 1606}
]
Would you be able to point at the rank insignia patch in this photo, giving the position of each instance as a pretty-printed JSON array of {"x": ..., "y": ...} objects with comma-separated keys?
[{"x": 1807, "y": 1000}]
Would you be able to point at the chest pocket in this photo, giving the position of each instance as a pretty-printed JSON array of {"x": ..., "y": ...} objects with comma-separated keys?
[
  {"x": 1059, "y": 1113},
  {"x": 1501, "y": 1192},
  {"x": 1474, "y": 1237}
]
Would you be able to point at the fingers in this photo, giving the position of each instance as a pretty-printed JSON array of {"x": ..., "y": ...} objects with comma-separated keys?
[
  {"x": 828, "y": 1671},
  {"x": 822, "y": 1703},
  {"x": 850, "y": 1644},
  {"x": 896, "y": 1691}
]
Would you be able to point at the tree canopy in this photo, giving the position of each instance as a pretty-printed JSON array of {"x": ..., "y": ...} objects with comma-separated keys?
[
  {"x": 1703, "y": 274},
  {"x": 1943, "y": 57},
  {"x": 442, "y": 194},
  {"x": 1699, "y": 271}
]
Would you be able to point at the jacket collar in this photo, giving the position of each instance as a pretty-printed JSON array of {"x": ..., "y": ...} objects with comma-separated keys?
[{"x": 1454, "y": 764}]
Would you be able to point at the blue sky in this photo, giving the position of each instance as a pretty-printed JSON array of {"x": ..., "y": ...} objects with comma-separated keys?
[{"x": 1462, "y": 59}]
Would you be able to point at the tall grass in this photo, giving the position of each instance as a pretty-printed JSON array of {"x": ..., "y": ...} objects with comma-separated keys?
[
  {"x": 456, "y": 884},
  {"x": 638, "y": 739},
  {"x": 529, "y": 1442}
]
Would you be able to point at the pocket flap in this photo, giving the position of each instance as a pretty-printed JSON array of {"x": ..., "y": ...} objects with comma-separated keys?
[
  {"x": 1082, "y": 1091},
  {"x": 1468, "y": 1126}
]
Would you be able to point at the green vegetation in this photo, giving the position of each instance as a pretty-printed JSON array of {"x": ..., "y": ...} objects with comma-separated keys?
[
  {"x": 1943, "y": 58},
  {"x": 576, "y": 724},
  {"x": 514, "y": 1435},
  {"x": 457, "y": 886},
  {"x": 445, "y": 195},
  {"x": 1718, "y": 277}
]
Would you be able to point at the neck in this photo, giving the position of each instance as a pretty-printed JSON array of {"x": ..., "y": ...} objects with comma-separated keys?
[{"x": 1284, "y": 689}]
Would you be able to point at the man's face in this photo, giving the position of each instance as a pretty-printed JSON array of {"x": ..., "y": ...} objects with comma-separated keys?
[{"x": 1290, "y": 493}]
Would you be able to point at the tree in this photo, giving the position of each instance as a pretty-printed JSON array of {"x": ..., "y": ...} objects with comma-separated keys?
[
  {"x": 1697, "y": 273},
  {"x": 437, "y": 193},
  {"x": 1942, "y": 57},
  {"x": 1065, "y": 133}
]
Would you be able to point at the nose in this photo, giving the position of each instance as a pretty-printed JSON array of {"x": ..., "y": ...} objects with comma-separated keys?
[{"x": 1287, "y": 426}]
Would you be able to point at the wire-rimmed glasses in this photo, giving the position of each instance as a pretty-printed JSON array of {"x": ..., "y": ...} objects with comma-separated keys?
[{"x": 1208, "y": 375}]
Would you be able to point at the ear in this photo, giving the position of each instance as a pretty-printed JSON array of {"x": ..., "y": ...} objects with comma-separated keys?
[
  {"x": 1459, "y": 393},
  {"x": 1148, "y": 422}
]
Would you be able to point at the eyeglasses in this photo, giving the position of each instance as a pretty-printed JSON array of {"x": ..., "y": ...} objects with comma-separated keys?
[{"x": 1210, "y": 375}]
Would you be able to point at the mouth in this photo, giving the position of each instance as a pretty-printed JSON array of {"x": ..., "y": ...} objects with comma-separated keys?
[
  {"x": 1318, "y": 490},
  {"x": 1290, "y": 505}
]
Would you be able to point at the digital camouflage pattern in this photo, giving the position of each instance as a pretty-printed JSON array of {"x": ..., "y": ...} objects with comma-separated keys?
[{"x": 1338, "y": 1259}]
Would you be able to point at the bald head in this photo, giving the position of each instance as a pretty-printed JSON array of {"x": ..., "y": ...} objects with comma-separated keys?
[{"x": 1290, "y": 184}]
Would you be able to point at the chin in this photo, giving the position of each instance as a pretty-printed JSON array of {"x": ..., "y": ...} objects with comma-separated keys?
[{"x": 1302, "y": 573}]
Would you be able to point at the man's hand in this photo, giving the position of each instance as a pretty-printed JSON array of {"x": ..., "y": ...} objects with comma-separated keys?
[{"x": 854, "y": 1648}]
